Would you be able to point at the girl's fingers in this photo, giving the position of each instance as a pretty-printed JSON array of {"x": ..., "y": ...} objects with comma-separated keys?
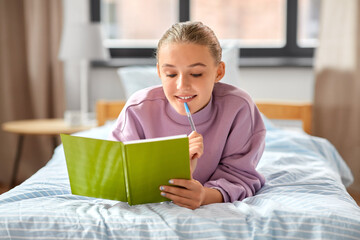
[
  {"x": 181, "y": 200},
  {"x": 175, "y": 191},
  {"x": 195, "y": 151},
  {"x": 193, "y": 164},
  {"x": 196, "y": 145},
  {"x": 186, "y": 193},
  {"x": 182, "y": 183},
  {"x": 177, "y": 199},
  {"x": 195, "y": 139}
]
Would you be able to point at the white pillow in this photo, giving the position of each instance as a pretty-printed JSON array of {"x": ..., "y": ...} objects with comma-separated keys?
[
  {"x": 138, "y": 77},
  {"x": 135, "y": 78},
  {"x": 230, "y": 56}
]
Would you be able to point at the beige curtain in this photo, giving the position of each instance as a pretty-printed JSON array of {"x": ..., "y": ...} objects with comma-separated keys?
[
  {"x": 31, "y": 77},
  {"x": 337, "y": 86}
]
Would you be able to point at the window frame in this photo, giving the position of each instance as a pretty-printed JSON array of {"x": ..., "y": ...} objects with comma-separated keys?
[{"x": 288, "y": 55}]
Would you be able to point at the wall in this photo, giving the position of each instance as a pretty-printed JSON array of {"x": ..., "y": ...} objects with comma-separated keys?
[
  {"x": 280, "y": 84},
  {"x": 74, "y": 12}
]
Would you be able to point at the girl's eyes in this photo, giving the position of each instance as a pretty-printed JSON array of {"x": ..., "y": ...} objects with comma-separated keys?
[
  {"x": 171, "y": 75},
  {"x": 193, "y": 74},
  {"x": 196, "y": 75}
]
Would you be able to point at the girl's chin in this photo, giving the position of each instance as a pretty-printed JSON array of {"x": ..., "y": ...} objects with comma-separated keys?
[
  {"x": 179, "y": 108},
  {"x": 181, "y": 111}
]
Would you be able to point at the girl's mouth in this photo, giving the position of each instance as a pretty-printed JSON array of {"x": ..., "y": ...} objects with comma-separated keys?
[{"x": 185, "y": 98}]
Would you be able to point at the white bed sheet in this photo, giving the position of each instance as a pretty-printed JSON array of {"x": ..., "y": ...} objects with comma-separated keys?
[{"x": 304, "y": 198}]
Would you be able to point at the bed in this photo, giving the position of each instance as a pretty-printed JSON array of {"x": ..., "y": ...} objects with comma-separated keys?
[{"x": 304, "y": 196}]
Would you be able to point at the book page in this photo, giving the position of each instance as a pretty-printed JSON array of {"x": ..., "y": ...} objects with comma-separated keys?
[
  {"x": 95, "y": 167},
  {"x": 150, "y": 164},
  {"x": 155, "y": 139}
]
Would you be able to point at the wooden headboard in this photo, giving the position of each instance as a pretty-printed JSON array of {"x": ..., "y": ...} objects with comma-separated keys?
[
  {"x": 109, "y": 110},
  {"x": 288, "y": 111}
]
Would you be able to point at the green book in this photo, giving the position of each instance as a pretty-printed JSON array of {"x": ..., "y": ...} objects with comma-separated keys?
[{"x": 125, "y": 171}]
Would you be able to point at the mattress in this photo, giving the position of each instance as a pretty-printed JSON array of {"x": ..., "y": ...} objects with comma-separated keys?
[{"x": 304, "y": 197}]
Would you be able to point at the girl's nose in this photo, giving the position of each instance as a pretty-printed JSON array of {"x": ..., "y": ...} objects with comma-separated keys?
[{"x": 183, "y": 82}]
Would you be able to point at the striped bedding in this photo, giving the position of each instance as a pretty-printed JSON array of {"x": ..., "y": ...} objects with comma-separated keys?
[{"x": 304, "y": 198}]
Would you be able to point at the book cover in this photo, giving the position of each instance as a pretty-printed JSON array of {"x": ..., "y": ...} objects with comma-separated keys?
[{"x": 130, "y": 172}]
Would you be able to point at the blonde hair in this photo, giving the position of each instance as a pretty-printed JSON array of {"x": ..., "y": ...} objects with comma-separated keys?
[{"x": 192, "y": 32}]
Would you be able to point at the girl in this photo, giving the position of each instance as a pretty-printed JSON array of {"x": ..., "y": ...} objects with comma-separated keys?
[{"x": 231, "y": 134}]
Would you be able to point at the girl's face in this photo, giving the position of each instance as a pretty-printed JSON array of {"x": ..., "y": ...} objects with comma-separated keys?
[{"x": 188, "y": 73}]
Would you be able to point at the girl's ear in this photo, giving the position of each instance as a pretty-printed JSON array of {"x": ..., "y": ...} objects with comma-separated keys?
[
  {"x": 158, "y": 69},
  {"x": 220, "y": 71}
]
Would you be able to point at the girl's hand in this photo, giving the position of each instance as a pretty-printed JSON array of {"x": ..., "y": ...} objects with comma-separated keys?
[
  {"x": 190, "y": 193},
  {"x": 196, "y": 149}
]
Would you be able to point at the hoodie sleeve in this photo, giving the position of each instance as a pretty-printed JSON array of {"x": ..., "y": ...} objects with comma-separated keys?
[
  {"x": 127, "y": 126},
  {"x": 236, "y": 177}
]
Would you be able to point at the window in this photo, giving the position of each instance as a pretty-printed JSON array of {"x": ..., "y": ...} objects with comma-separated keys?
[
  {"x": 126, "y": 25},
  {"x": 308, "y": 23},
  {"x": 257, "y": 23},
  {"x": 264, "y": 28}
]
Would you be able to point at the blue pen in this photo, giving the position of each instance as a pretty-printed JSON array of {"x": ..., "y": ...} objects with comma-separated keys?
[{"x": 189, "y": 116}]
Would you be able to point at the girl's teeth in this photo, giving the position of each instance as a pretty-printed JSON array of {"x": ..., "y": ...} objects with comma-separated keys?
[{"x": 185, "y": 97}]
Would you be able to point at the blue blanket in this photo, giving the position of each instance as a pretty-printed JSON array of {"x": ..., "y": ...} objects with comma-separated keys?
[{"x": 304, "y": 198}]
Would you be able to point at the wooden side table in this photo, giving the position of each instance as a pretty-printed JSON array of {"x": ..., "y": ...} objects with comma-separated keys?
[{"x": 48, "y": 127}]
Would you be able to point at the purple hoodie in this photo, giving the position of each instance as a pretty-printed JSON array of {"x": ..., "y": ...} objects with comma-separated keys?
[{"x": 232, "y": 129}]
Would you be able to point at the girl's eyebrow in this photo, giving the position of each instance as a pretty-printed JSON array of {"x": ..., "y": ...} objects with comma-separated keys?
[
  {"x": 197, "y": 64},
  {"x": 167, "y": 65},
  {"x": 191, "y": 65}
]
